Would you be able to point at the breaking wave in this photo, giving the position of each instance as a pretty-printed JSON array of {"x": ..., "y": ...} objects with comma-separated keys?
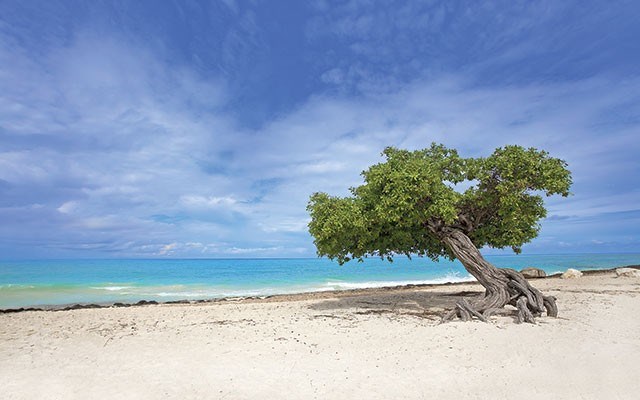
[{"x": 339, "y": 285}]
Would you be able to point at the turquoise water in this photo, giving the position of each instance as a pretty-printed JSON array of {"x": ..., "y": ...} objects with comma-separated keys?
[{"x": 57, "y": 282}]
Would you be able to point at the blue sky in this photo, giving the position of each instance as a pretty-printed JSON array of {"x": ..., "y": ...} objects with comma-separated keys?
[{"x": 200, "y": 128}]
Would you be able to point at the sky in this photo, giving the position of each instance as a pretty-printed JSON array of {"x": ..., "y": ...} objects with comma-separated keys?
[{"x": 200, "y": 128}]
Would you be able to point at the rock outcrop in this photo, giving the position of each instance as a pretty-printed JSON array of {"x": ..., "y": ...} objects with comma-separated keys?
[
  {"x": 628, "y": 273},
  {"x": 571, "y": 274},
  {"x": 532, "y": 272}
]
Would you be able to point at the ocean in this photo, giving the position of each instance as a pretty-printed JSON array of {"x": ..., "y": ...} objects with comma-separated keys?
[{"x": 61, "y": 282}]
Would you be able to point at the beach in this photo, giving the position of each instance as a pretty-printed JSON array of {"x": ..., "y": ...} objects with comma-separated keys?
[{"x": 372, "y": 343}]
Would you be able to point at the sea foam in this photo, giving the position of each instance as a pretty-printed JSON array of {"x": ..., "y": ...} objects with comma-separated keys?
[{"x": 336, "y": 285}]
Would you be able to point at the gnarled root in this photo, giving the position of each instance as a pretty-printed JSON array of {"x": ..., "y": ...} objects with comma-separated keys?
[{"x": 513, "y": 289}]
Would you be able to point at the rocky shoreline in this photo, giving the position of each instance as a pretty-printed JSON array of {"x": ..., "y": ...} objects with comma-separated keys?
[{"x": 281, "y": 297}]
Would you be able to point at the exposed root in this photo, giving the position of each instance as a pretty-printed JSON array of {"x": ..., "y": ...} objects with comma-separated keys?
[
  {"x": 550, "y": 306},
  {"x": 449, "y": 316},
  {"x": 464, "y": 304},
  {"x": 496, "y": 311},
  {"x": 513, "y": 290},
  {"x": 464, "y": 311},
  {"x": 524, "y": 314},
  {"x": 503, "y": 286}
]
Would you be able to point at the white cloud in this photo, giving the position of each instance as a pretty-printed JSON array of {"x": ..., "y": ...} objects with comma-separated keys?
[
  {"x": 156, "y": 146},
  {"x": 322, "y": 167},
  {"x": 168, "y": 249},
  {"x": 68, "y": 207},
  {"x": 207, "y": 201},
  {"x": 286, "y": 225}
]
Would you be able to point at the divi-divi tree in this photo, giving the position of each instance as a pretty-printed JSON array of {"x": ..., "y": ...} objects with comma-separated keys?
[{"x": 434, "y": 203}]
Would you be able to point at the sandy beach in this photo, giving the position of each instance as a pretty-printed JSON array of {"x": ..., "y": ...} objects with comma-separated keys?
[{"x": 375, "y": 344}]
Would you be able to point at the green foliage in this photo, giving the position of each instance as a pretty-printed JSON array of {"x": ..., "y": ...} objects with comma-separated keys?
[{"x": 411, "y": 200}]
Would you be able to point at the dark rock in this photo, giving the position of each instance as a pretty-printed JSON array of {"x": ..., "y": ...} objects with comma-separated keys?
[
  {"x": 146, "y": 302},
  {"x": 80, "y": 307},
  {"x": 178, "y": 302},
  {"x": 531, "y": 272},
  {"x": 17, "y": 310}
]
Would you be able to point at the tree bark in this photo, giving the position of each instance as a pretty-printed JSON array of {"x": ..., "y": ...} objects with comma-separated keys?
[{"x": 503, "y": 286}]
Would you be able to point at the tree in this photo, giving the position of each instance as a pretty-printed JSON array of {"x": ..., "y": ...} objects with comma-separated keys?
[{"x": 434, "y": 203}]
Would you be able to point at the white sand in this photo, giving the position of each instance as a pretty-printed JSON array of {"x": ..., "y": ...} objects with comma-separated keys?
[{"x": 374, "y": 346}]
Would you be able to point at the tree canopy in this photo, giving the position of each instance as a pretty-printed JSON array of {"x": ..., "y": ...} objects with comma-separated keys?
[{"x": 408, "y": 201}]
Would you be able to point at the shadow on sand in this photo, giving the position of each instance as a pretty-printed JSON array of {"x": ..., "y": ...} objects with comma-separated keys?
[{"x": 422, "y": 303}]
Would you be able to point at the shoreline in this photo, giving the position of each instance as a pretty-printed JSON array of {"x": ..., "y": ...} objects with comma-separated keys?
[
  {"x": 301, "y": 296},
  {"x": 379, "y": 343}
]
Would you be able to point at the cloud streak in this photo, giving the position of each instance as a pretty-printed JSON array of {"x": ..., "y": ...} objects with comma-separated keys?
[{"x": 108, "y": 149}]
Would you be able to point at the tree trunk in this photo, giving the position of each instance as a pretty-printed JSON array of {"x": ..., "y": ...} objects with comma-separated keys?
[{"x": 503, "y": 286}]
